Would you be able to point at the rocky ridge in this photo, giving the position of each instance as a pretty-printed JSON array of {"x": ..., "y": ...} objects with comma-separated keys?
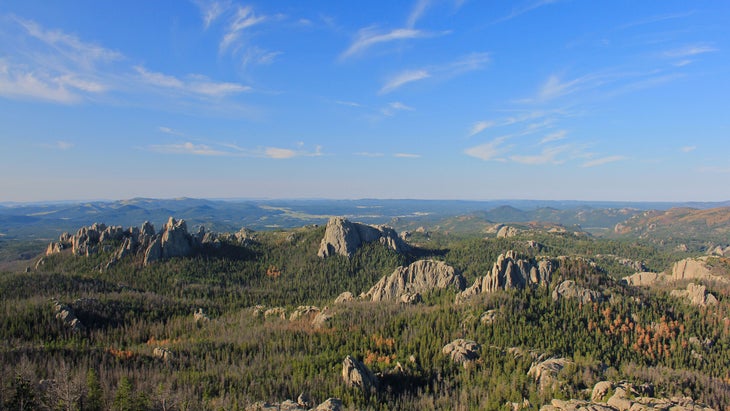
[
  {"x": 172, "y": 241},
  {"x": 343, "y": 237}
]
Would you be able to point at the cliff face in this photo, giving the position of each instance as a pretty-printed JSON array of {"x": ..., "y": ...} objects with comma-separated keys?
[{"x": 344, "y": 237}]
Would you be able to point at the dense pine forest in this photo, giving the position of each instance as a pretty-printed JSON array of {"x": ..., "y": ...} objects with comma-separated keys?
[{"x": 246, "y": 324}]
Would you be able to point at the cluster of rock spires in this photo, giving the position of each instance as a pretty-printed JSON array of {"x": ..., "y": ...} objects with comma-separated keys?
[
  {"x": 172, "y": 241},
  {"x": 343, "y": 237},
  {"x": 510, "y": 271},
  {"x": 303, "y": 403}
]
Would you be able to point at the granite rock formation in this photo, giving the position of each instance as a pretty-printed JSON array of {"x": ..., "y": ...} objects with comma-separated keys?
[
  {"x": 510, "y": 272},
  {"x": 343, "y": 237},
  {"x": 420, "y": 277}
]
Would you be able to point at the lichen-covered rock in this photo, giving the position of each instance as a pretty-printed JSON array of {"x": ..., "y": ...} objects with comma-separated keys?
[
  {"x": 356, "y": 375},
  {"x": 510, "y": 272},
  {"x": 462, "y": 351},
  {"x": 569, "y": 289},
  {"x": 343, "y": 237},
  {"x": 420, "y": 277}
]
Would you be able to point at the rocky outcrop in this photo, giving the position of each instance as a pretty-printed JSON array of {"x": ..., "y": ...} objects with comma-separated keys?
[
  {"x": 546, "y": 372},
  {"x": 200, "y": 316},
  {"x": 623, "y": 396},
  {"x": 694, "y": 269},
  {"x": 67, "y": 315},
  {"x": 173, "y": 241},
  {"x": 344, "y": 297},
  {"x": 163, "y": 354},
  {"x": 570, "y": 290},
  {"x": 356, "y": 375},
  {"x": 420, "y": 277},
  {"x": 304, "y": 311},
  {"x": 644, "y": 279},
  {"x": 343, "y": 237},
  {"x": 511, "y": 272},
  {"x": 507, "y": 232},
  {"x": 489, "y": 317},
  {"x": 331, "y": 404},
  {"x": 695, "y": 294},
  {"x": 462, "y": 351}
]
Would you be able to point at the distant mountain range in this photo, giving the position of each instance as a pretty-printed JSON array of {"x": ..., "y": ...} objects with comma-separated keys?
[{"x": 47, "y": 220}]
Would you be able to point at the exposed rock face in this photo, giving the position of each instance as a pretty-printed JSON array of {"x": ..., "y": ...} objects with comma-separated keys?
[
  {"x": 644, "y": 279},
  {"x": 344, "y": 297},
  {"x": 609, "y": 396},
  {"x": 163, "y": 353},
  {"x": 304, "y": 311},
  {"x": 694, "y": 269},
  {"x": 322, "y": 319},
  {"x": 344, "y": 237},
  {"x": 420, "y": 277},
  {"x": 462, "y": 351},
  {"x": 200, "y": 316},
  {"x": 411, "y": 298},
  {"x": 569, "y": 289},
  {"x": 356, "y": 374},
  {"x": 173, "y": 241},
  {"x": 507, "y": 231},
  {"x": 67, "y": 315},
  {"x": 696, "y": 294},
  {"x": 546, "y": 372},
  {"x": 331, "y": 404},
  {"x": 511, "y": 272},
  {"x": 489, "y": 317}
]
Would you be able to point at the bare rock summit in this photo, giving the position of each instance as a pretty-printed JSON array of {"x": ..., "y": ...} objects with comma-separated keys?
[
  {"x": 344, "y": 237},
  {"x": 418, "y": 278}
]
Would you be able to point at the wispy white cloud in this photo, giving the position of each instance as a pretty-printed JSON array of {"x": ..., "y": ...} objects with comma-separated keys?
[
  {"x": 394, "y": 107},
  {"x": 418, "y": 10},
  {"x": 688, "y": 149},
  {"x": 402, "y": 78},
  {"x": 489, "y": 151},
  {"x": 689, "y": 51},
  {"x": 406, "y": 155},
  {"x": 525, "y": 8},
  {"x": 603, "y": 160},
  {"x": 243, "y": 18},
  {"x": 480, "y": 126},
  {"x": 195, "y": 84},
  {"x": 369, "y": 154},
  {"x": 19, "y": 82},
  {"x": 558, "y": 135},
  {"x": 348, "y": 103},
  {"x": 286, "y": 153},
  {"x": 370, "y": 36},
  {"x": 470, "y": 62},
  {"x": 255, "y": 55},
  {"x": 212, "y": 10},
  {"x": 655, "y": 19},
  {"x": 187, "y": 148},
  {"x": 547, "y": 156}
]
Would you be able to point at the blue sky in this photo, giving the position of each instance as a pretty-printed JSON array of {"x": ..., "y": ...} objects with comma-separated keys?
[{"x": 536, "y": 99}]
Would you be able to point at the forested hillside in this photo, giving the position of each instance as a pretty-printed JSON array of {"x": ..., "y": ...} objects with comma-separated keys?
[{"x": 237, "y": 323}]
